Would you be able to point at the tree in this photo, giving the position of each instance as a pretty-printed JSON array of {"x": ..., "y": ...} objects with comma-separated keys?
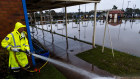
[
  {"x": 129, "y": 10},
  {"x": 53, "y": 13},
  {"x": 47, "y": 12},
  {"x": 114, "y": 7},
  {"x": 137, "y": 11}
]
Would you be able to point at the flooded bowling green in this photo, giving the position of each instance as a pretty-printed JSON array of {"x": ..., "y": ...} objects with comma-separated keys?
[
  {"x": 66, "y": 37},
  {"x": 125, "y": 34}
]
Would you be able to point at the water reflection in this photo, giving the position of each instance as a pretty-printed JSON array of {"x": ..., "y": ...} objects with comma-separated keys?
[
  {"x": 131, "y": 23},
  {"x": 125, "y": 25},
  {"x": 79, "y": 35},
  {"x": 123, "y": 33},
  {"x": 52, "y": 38},
  {"x": 36, "y": 30},
  {"x": 67, "y": 48},
  {"x": 43, "y": 36},
  {"x": 79, "y": 26},
  {"x": 115, "y": 22},
  {"x": 58, "y": 48},
  {"x": 85, "y": 26},
  {"x": 74, "y": 26},
  {"x": 102, "y": 22}
]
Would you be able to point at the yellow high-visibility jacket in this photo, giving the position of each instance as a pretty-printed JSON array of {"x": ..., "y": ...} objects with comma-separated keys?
[{"x": 14, "y": 40}]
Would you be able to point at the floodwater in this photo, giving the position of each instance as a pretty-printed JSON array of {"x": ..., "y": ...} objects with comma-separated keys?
[
  {"x": 125, "y": 34},
  {"x": 65, "y": 50}
]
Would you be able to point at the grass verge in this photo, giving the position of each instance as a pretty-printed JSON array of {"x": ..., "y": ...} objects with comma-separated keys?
[
  {"x": 4, "y": 71},
  {"x": 48, "y": 72},
  {"x": 121, "y": 65}
]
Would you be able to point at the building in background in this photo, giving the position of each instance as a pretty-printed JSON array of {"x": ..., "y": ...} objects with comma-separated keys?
[{"x": 116, "y": 14}]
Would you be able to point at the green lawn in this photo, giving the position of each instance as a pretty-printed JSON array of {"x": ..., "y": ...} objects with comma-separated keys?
[
  {"x": 122, "y": 64},
  {"x": 48, "y": 72}
]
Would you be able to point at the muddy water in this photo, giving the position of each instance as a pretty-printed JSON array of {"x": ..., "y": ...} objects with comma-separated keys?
[{"x": 125, "y": 34}]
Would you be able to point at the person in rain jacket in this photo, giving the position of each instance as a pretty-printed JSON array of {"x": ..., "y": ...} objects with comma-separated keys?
[{"x": 14, "y": 42}]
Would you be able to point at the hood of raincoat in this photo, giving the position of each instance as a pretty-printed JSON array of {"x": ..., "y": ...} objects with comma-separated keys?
[{"x": 18, "y": 25}]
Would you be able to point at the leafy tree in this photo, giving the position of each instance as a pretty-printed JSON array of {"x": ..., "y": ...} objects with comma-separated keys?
[
  {"x": 129, "y": 10},
  {"x": 53, "y": 13},
  {"x": 47, "y": 12},
  {"x": 137, "y": 11},
  {"x": 114, "y": 7}
]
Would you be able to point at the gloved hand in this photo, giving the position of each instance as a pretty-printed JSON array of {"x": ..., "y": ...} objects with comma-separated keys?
[
  {"x": 15, "y": 49},
  {"x": 28, "y": 52}
]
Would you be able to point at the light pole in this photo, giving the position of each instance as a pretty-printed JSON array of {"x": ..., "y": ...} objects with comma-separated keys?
[
  {"x": 122, "y": 4},
  {"x": 128, "y": 4},
  {"x": 127, "y": 7},
  {"x": 85, "y": 11},
  {"x": 134, "y": 6},
  {"x": 79, "y": 18}
]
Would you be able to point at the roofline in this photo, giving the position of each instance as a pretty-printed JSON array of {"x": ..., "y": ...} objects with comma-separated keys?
[{"x": 64, "y": 2}]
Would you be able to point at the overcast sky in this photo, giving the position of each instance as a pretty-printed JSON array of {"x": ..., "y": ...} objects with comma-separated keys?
[{"x": 103, "y": 5}]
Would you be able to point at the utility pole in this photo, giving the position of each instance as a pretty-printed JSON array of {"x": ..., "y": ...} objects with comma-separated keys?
[
  {"x": 122, "y": 4},
  {"x": 79, "y": 18},
  {"x": 134, "y": 6},
  {"x": 128, "y": 4},
  {"x": 79, "y": 10},
  {"x": 85, "y": 11}
]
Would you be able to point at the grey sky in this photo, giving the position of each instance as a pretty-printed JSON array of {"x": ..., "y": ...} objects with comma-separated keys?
[{"x": 104, "y": 4}]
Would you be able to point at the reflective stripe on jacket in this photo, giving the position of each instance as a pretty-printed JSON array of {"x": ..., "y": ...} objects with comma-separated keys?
[{"x": 14, "y": 40}]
